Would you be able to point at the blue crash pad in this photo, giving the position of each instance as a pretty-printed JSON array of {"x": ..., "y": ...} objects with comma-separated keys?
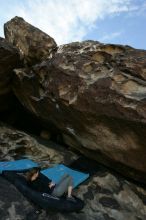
[
  {"x": 17, "y": 165},
  {"x": 55, "y": 173}
]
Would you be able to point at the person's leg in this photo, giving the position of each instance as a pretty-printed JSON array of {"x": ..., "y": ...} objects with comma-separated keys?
[
  {"x": 65, "y": 185},
  {"x": 62, "y": 178},
  {"x": 69, "y": 192}
]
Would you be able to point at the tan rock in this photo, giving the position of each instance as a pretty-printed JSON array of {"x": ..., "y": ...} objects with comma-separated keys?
[
  {"x": 45, "y": 134},
  {"x": 33, "y": 44}
]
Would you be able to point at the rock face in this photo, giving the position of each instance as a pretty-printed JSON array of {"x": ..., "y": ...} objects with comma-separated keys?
[
  {"x": 34, "y": 45},
  {"x": 9, "y": 59},
  {"x": 107, "y": 196},
  {"x": 95, "y": 94},
  {"x": 16, "y": 144}
]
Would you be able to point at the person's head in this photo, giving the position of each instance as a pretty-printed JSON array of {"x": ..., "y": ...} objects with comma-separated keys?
[{"x": 33, "y": 174}]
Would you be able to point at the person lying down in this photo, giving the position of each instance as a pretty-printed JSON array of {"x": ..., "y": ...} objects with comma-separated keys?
[{"x": 41, "y": 183}]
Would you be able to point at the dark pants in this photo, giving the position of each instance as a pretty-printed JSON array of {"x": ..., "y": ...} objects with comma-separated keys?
[{"x": 62, "y": 186}]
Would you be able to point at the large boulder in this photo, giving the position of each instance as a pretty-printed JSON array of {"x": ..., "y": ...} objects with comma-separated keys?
[
  {"x": 34, "y": 45},
  {"x": 95, "y": 94},
  {"x": 9, "y": 59}
]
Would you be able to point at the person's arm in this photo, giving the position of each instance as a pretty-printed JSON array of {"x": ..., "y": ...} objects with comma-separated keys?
[{"x": 48, "y": 181}]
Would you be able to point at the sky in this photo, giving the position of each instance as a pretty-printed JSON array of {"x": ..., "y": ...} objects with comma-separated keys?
[{"x": 107, "y": 21}]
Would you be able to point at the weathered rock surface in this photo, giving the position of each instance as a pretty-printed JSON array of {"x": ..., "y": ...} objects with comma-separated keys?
[
  {"x": 9, "y": 59},
  {"x": 95, "y": 94},
  {"x": 34, "y": 45},
  {"x": 16, "y": 144},
  {"x": 107, "y": 196}
]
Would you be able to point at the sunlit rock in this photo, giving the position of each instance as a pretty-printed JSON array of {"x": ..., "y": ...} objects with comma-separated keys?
[{"x": 34, "y": 44}]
